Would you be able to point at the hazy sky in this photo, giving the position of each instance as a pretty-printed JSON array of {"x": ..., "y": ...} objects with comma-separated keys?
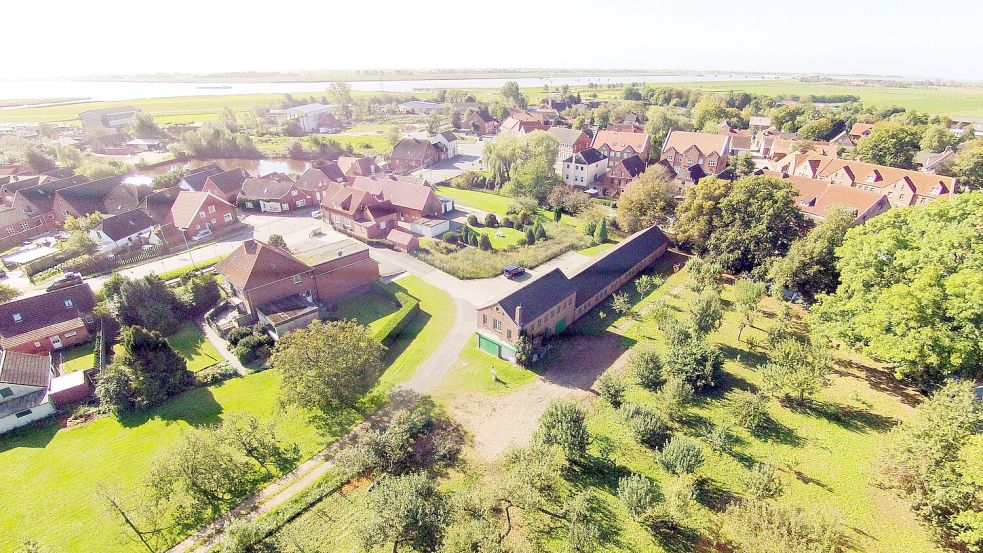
[{"x": 917, "y": 38}]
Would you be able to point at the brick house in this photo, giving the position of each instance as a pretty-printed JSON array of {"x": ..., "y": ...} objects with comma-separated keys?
[
  {"x": 193, "y": 212},
  {"x": 622, "y": 145},
  {"x": 49, "y": 321},
  {"x": 24, "y": 385},
  {"x": 815, "y": 198},
  {"x": 860, "y": 130},
  {"x": 902, "y": 187},
  {"x": 549, "y": 304},
  {"x": 413, "y": 153},
  {"x": 321, "y": 180},
  {"x": 17, "y": 226},
  {"x": 571, "y": 141},
  {"x": 226, "y": 185},
  {"x": 40, "y": 199},
  {"x": 194, "y": 180},
  {"x": 273, "y": 195},
  {"x": 683, "y": 150},
  {"x": 11, "y": 184},
  {"x": 358, "y": 166},
  {"x": 284, "y": 289},
  {"x": 371, "y": 206},
  {"x": 108, "y": 196},
  {"x": 130, "y": 228},
  {"x": 360, "y": 213},
  {"x": 620, "y": 176},
  {"x": 480, "y": 123},
  {"x": 585, "y": 169}
]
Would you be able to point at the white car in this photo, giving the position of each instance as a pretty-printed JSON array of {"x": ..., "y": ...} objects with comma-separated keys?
[
  {"x": 316, "y": 214},
  {"x": 201, "y": 235}
]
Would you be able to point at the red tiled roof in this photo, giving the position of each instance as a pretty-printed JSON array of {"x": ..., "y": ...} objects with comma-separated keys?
[
  {"x": 617, "y": 141},
  {"x": 704, "y": 142},
  {"x": 186, "y": 207},
  {"x": 405, "y": 192},
  {"x": 256, "y": 263},
  {"x": 37, "y": 313},
  {"x": 265, "y": 188}
]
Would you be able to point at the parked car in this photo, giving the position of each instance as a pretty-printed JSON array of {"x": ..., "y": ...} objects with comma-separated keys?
[
  {"x": 316, "y": 214},
  {"x": 67, "y": 279},
  {"x": 201, "y": 235},
  {"x": 513, "y": 271}
]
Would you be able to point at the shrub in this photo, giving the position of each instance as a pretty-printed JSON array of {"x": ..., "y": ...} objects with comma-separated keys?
[
  {"x": 450, "y": 237},
  {"x": 253, "y": 347},
  {"x": 611, "y": 388},
  {"x": 638, "y": 493},
  {"x": 761, "y": 482},
  {"x": 473, "y": 220},
  {"x": 507, "y": 222},
  {"x": 769, "y": 527},
  {"x": 718, "y": 437},
  {"x": 237, "y": 334},
  {"x": 408, "y": 308},
  {"x": 673, "y": 398},
  {"x": 648, "y": 428},
  {"x": 484, "y": 242},
  {"x": 491, "y": 220},
  {"x": 215, "y": 374},
  {"x": 563, "y": 425},
  {"x": 748, "y": 409},
  {"x": 646, "y": 366},
  {"x": 590, "y": 228},
  {"x": 681, "y": 456},
  {"x": 696, "y": 361},
  {"x": 530, "y": 236},
  {"x": 678, "y": 496}
]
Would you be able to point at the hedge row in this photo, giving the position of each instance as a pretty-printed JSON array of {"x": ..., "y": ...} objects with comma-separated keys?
[
  {"x": 181, "y": 271},
  {"x": 408, "y": 308}
]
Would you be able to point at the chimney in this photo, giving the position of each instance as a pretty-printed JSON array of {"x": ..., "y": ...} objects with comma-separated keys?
[{"x": 518, "y": 316}]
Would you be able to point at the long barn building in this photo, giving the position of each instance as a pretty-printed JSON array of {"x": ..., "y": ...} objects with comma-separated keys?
[{"x": 547, "y": 305}]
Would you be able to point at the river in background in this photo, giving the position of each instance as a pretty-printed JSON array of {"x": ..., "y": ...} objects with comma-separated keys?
[
  {"x": 125, "y": 90},
  {"x": 255, "y": 167}
]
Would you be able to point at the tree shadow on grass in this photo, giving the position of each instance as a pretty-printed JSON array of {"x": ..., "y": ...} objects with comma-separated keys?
[
  {"x": 36, "y": 435},
  {"x": 674, "y": 538},
  {"x": 750, "y": 360},
  {"x": 880, "y": 380},
  {"x": 771, "y": 430},
  {"x": 714, "y": 496},
  {"x": 846, "y": 416},
  {"x": 725, "y": 382},
  {"x": 196, "y": 407},
  {"x": 577, "y": 361}
]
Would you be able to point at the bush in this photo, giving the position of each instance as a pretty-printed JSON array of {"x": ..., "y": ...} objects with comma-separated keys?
[
  {"x": 646, "y": 366},
  {"x": 507, "y": 222},
  {"x": 213, "y": 375},
  {"x": 450, "y": 237},
  {"x": 748, "y": 409},
  {"x": 769, "y": 527},
  {"x": 473, "y": 220},
  {"x": 696, "y": 361},
  {"x": 638, "y": 493},
  {"x": 530, "y": 236},
  {"x": 253, "y": 347},
  {"x": 648, "y": 428},
  {"x": 237, "y": 334},
  {"x": 562, "y": 424},
  {"x": 718, "y": 437},
  {"x": 491, "y": 220},
  {"x": 484, "y": 242},
  {"x": 679, "y": 493},
  {"x": 611, "y": 388},
  {"x": 408, "y": 308},
  {"x": 673, "y": 398},
  {"x": 681, "y": 456},
  {"x": 761, "y": 482}
]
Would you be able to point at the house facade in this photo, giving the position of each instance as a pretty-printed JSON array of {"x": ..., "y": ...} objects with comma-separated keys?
[
  {"x": 311, "y": 118},
  {"x": 128, "y": 229},
  {"x": 193, "y": 212},
  {"x": 570, "y": 141},
  {"x": 24, "y": 382},
  {"x": 549, "y": 304},
  {"x": 271, "y": 195},
  {"x": 684, "y": 150},
  {"x": 413, "y": 153},
  {"x": 49, "y": 321},
  {"x": 622, "y": 145},
  {"x": 448, "y": 141},
  {"x": 620, "y": 176},
  {"x": 585, "y": 169},
  {"x": 226, "y": 185},
  {"x": 480, "y": 123},
  {"x": 816, "y": 198},
  {"x": 108, "y": 120}
]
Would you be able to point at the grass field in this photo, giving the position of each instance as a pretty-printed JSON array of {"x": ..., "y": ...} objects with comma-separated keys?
[
  {"x": 472, "y": 372},
  {"x": 373, "y": 309},
  {"x": 510, "y": 236},
  {"x": 51, "y": 474},
  {"x": 79, "y": 358},
  {"x": 190, "y": 342},
  {"x": 496, "y": 203}
]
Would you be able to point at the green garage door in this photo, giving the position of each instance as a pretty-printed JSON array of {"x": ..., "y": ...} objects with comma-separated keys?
[
  {"x": 561, "y": 325},
  {"x": 488, "y": 346}
]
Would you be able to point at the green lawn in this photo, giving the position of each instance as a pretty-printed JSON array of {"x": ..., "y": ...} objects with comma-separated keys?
[
  {"x": 511, "y": 236},
  {"x": 496, "y": 203},
  {"x": 596, "y": 249},
  {"x": 79, "y": 357},
  {"x": 372, "y": 308},
  {"x": 190, "y": 342},
  {"x": 472, "y": 372},
  {"x": 60, "y": 469}
]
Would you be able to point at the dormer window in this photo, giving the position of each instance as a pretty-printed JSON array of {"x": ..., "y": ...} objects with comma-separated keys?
[
  {"x": 296, "y": 279},
  {"x": 936, "y": 190},
  {"x": 18, "y": 318},
  {"x": 69, "y": 303}
]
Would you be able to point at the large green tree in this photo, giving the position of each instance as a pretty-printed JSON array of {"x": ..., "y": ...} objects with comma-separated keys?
[
  {"x": 404, "y": 512},
  {"x": 648, "y": 201},
  {"x": 911, "y": 288},
  {"x": 741, "y": 226},
  {"x": 146, "y": 302},
  {"x": 809, "y": 268},
  {"x": 327, "y": 366},
  {"x": 892, "y": 145},
  {"x": 967, "y": 166},
  {"x": 145, "y": 372}
]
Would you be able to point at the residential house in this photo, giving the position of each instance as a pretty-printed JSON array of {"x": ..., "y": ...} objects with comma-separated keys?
[
  {"x": 158, "y": 203},
  {"x": 11, "y": 184},
  {"x": 24, "y": 382},
  {"x": 110, "y": 120},
  {"x": 419, "y": 106},
  {"x": 49, "y": 321},
  {"x": 321, "y": 180},
  {"x": 311, "y": 118},
  {"x": 193, "y": 212},
  {"x": 621, "y": 145},
  {"x": 960, "y": 124},
  {"x": 358, "y": 166},
  {"x": 759, "y": 123},
  {"x": 284, "y": 290},
  {"x": 194, "y": 180},
  {"x": 931, "y": 161},
  {"x": 131, "y": 228},
  {"x": 585, "y": 170},
  {"x": 619, "y": 177},
  {"x": 413, "y": 153},
  {"x": 550, "y": 303},
  {"x": 360, "y": 213},
  {"x": 815, "y": 198},
  {"x": 902, "y": 187},
  {"x": 402, "y": 240},
  {"x": 40, "y": 199},
  {"x": 226, "y": 185},
  {"x": 448, "y": 141},
  {"x": 17, "y": 226},
  {"x": 571, "y": 141},
  {"x": 108, "y": 196},
  {"x": 480, "y": 123},
  {"x": 370, "y": 207},
  {"x": 683, "y": 150},
  {"x": 271, "y": 195},
  {"x": 860, "y": 130},
  {"x": 625, "y": 127}
]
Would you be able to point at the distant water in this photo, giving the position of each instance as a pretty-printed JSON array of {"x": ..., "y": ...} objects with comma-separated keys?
[
  {"x": 121, "y": 90},
  {"x": 255, "y": 167}
]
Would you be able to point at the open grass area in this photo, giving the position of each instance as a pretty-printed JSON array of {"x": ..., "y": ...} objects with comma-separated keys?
[
  {"x": 596, "y": 249},
  {"x": 61, "y": 468},
  {"x": 472, "y": 372},
  {"x": 373, "y": 309},
  {"x": 78, "y": 358},
  {"x": 276, "y": 145},
  {"x": 497, "y": 204},
  {"x": 190, "y": 342},
  {"x": 509, "y": 236}
]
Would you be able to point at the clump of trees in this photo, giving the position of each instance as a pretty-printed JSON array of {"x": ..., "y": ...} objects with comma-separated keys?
[
  {"x": 648, "y": 201},
  {"x": 144, "y": 372},
  {"x": 523, "y": 165},
  {"x": 152, "y": 304}
]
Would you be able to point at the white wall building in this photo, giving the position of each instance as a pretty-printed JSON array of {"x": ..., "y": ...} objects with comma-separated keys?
[{"x": 585, "y": 169}]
